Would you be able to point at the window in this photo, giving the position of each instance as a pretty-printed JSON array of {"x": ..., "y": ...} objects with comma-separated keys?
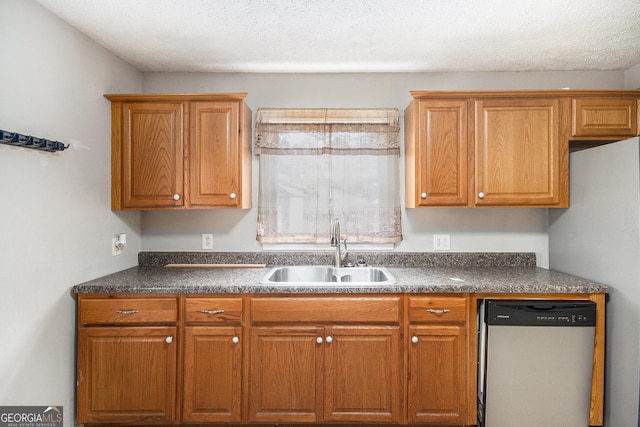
[{"x": 317, "y": 165}]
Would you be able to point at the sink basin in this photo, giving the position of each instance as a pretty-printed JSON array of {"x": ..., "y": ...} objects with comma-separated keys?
[{"x": 316, "y": 275}]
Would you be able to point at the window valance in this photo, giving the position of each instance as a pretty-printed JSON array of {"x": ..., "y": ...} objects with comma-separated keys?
[{"x": 327, "y": 131}]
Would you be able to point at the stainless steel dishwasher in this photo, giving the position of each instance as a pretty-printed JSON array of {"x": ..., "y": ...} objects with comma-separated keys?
[{"x": 535, "y": 360}]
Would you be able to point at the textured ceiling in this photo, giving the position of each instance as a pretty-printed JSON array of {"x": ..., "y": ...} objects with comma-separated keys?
[{"x": 361, "y": 35}]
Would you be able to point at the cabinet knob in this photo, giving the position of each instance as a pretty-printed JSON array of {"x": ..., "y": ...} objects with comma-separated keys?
[
  {"x": 169, "y": 340},
  {"x": 319, "y": 340},
  {"x": 235, "y": 340},
  {"x": 176, "y": 197},
  {"x": 232, "y": 196},
  {"x": 481, "y": 195},
  {"x": 423, "y": 195},
  {"x": 414, "y": 339},
  {"x": 329, "y": 338}
]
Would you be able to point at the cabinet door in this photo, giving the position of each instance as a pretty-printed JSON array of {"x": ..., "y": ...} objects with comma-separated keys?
[
  {"x": 437, "y": 372},
  {"x": 442, "y": 153},
  {"x": 519, "y": 155},
  {"x": 605, "y": 117},
  {"x": 212, "y": 374},
  {"x": 214, "y": 152},
  {"x": 362, "y": 374},
  {"x": 152, "y": 155},
  {"x": 126, "y": 375},
  {"x": 285, "y": 378}
]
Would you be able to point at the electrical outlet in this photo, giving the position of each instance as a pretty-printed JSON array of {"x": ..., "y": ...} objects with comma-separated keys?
[
  {"x": 441, "y": 242},
  {"x": 115, "y": 250},
  {"x": 207, "y": 241}
]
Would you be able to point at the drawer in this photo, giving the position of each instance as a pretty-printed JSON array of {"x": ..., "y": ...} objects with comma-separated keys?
[
  {"x": 326, "y": 310},
  {"x": 213, "y": 310},
  {"x": 438, "y": 309},
  {"x": 127, "y": 310}
]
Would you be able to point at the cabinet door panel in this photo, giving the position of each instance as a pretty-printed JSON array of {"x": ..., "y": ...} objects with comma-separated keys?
[
  {"x": 437, "y": 381},
  {"x": 126, "y": 375},
  {"x": 518, "y": 152},
  {"x": 214, "y": 154},
  {"x": 285, "y": 378},
  {"x": 607, "y": 117},
  {"x": 362, "y": 374},
  {"x": 152, "y": 163},
  {"x": 212, "y": 374},
  {"x": 442, "y": 153}
]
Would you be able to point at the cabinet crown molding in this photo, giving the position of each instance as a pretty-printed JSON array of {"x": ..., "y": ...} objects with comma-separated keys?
[
  {"x": 417, "y": 94},
  {"x": 129, "y": 97}
]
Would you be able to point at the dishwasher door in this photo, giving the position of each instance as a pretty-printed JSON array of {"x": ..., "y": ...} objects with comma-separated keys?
[{"x": 535, "y": 363}]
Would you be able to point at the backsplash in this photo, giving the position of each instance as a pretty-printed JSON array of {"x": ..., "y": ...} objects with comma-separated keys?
[{"x": 387, "y": 259}]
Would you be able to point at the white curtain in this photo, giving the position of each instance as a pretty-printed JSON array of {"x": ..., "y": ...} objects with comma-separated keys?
[{"x": 317, "y": 165}]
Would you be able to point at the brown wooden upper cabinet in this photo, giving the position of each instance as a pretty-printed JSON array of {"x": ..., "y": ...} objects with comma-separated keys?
[
  {"x": 506, "y": 148},
  {"x": 605, "y": 116},
  {"x": 180, "y": 151},
  {"x": 436, "y": 152},
  {"x": 520, "y": 159}
]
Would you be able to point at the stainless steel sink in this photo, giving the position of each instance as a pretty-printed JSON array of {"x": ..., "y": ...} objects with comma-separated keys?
[{"x": 316, "y": 275}]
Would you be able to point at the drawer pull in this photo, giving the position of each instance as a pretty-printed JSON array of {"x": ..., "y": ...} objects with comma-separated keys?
[
  {"x": 235, "y": 340},
  {"x": 211, "y": 312},
  {"x": 438, "y": 312},
  {"x": 169, "y": 340},
  {"x": 414, "y": 339},
  {"x": 127, "y": 312}
]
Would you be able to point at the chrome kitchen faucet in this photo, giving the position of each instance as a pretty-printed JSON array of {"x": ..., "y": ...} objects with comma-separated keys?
[{"x": 335, "y": 242}]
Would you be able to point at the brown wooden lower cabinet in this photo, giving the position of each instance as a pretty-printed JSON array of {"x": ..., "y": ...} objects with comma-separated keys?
[
  {"x": 333, "y": 373},
  {"x": 362, "y": 374},
  {"x": 285, "y": 374},
  {"x": 437, "y": 385},
  {"x": 438, "y": 359},
  {"x": 246, "y": 359},
  {"x": 212, "y": 374},
  {"x": 126, "y": 375}
]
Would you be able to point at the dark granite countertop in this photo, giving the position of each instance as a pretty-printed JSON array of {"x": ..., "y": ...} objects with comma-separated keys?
[{"x": 469, "y": 277}]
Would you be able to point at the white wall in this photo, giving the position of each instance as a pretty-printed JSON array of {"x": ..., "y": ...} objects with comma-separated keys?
[
  {"x": 481, "y": 230},
  {"x": 632, "y": 77},
  {"x": 598, "y": 238},
  {"x": 55, "y": 220}
]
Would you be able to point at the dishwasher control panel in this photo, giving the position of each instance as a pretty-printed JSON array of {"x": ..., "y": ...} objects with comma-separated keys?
[{"x": 540, "y": 313}]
